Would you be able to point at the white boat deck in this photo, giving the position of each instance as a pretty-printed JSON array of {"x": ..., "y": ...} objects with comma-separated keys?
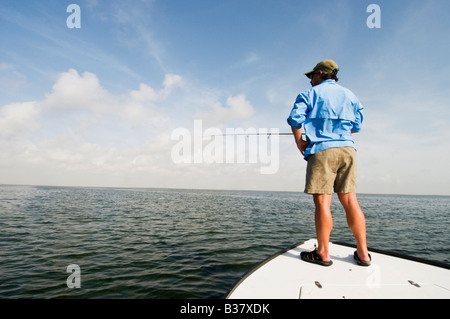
[{"x": 286, "y": 276}]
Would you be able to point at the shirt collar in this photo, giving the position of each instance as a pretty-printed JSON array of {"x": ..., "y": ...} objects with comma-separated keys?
[{"x": 328, "y": 81}]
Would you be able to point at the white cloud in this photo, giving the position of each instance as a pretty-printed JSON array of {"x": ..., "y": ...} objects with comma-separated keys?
[
  {"x": 85, "y": 135},
  {"x": 140, "y": 106},
  {"x": 17, "y": 119},
  {"x": 239, "y": 108},
  {"x": 82, "y": 128},
  {"x": 148, "y": 94},
  {"x": 74, "y": 92}
]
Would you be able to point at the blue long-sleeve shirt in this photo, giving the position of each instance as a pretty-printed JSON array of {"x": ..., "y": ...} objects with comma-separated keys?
[{"x": 328, "y": 113}]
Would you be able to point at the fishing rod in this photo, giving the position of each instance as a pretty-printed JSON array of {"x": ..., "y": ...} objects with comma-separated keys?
[{"x": 266, "y": 133}]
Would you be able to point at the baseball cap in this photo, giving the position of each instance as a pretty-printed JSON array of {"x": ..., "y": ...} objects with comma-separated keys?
[{"x": 326, "y": 66}]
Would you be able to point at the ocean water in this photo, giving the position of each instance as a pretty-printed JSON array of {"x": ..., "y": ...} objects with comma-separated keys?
[{"x": 163, "y": 243}]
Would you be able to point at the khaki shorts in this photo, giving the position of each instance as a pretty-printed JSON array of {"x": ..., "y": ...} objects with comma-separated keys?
[{"x": 333, "y": 168}]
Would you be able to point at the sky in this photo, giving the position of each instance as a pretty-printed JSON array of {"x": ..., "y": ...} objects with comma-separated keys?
[{"x": 142, "y": 92}]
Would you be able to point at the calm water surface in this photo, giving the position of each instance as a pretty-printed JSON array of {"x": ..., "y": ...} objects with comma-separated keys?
[{"x": 160, "y": 243}]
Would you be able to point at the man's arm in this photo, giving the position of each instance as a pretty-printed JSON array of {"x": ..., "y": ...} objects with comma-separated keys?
[{"x": 301, "y": 144}]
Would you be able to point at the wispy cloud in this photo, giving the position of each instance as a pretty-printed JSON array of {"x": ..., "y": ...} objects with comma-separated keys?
[
  {"x": 133, "y": 24},
  {"x": 11, "y": 80},
  {"x": 50, "y": 44}
]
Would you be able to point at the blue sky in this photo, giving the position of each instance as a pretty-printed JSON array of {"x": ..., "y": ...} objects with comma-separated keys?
[{"x": 96, "y": 106}]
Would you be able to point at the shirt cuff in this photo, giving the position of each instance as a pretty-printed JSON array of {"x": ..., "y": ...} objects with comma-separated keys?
[{"x": 294, "y": 124}]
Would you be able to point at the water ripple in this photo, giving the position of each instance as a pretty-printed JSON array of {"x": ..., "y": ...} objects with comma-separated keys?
[{"x": 155, "y": 243}]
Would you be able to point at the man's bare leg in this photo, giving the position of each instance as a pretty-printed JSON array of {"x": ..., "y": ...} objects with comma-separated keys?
[
  {"x": 324, "y": 224},
  {"x": 357, "y": 223}
]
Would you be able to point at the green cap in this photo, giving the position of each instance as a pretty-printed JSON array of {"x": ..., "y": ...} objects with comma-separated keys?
[{"x": 327, "y": 66}]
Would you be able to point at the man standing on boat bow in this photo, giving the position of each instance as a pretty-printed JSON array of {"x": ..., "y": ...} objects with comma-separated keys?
[{"x": 322, "y": 120}]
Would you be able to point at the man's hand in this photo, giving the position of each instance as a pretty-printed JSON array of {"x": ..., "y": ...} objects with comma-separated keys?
[{"x": 302, "y": 145}]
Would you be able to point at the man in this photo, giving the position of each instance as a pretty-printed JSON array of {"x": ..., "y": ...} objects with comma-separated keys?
[{"x": 326, "y": 116}]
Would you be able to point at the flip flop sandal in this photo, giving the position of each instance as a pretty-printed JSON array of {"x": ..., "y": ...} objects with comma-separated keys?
[
  {"x": 359, "y": 261},
  {"x": 313, "y": 257}
]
